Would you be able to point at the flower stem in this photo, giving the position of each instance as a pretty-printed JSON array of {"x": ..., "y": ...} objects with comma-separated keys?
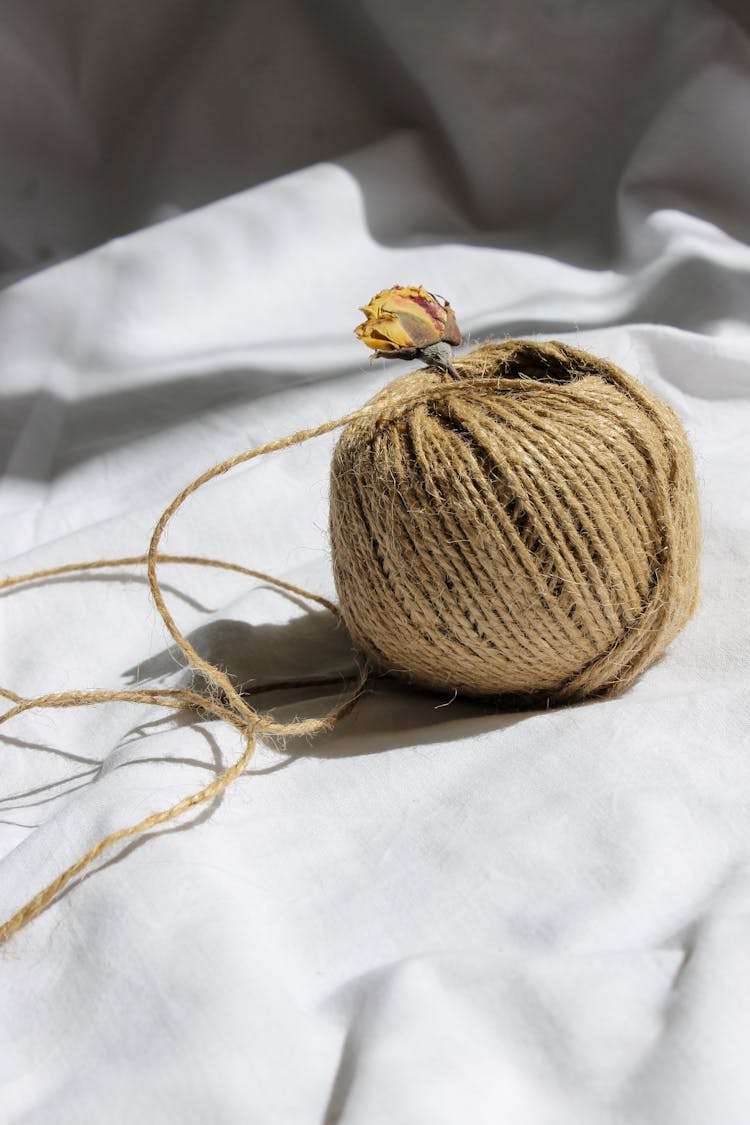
[{"x": 439, "y": 355}]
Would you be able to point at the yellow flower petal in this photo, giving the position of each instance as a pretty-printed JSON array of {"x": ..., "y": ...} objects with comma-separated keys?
[
  {"x": 384, "y": 334},
  {"x": 407, "y": 316}
]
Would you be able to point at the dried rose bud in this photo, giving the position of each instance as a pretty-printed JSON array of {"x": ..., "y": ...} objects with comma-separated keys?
[{"x": 406, "y": 322}]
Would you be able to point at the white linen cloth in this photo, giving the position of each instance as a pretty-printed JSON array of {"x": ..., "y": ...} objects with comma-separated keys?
[{"x": 437, "y": 914}]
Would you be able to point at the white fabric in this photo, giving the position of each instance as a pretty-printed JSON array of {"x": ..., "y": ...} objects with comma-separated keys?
[{"x": 438, "y": 914}]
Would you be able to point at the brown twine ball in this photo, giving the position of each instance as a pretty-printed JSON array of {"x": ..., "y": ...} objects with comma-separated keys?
[{"x": 529, "y": 531}]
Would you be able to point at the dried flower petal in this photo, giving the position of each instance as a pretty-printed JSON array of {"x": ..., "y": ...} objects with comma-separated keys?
[{"x": 403, "y": 320}]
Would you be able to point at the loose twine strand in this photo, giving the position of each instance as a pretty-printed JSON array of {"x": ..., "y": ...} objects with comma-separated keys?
[
  {"x": 480, "y": 374},
  {"x": 222, "y": 698}
]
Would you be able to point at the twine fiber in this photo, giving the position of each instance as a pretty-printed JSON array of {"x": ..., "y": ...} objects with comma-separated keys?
[{"x": 531, "y": 530}]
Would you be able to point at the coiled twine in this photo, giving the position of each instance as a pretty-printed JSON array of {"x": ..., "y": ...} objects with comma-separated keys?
[{"x": 529, "y": 531}]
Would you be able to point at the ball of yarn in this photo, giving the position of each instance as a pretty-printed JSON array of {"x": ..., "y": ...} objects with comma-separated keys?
[{"x": 530, "y": 530}]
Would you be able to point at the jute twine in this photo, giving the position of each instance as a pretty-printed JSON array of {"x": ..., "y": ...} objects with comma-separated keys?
[
  {"x": 531, "y": 531},
  {"x": 528, "y": 530}
]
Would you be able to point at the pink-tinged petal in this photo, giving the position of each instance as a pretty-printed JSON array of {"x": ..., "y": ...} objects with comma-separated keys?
[
  {"x": 451, "y": 332},
  {"x": 420, "y": 329},
  {"x": 416, "y": 308}
]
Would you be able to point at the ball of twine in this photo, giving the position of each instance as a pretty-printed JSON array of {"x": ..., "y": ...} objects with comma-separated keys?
[
  {"x": 522, "y": 525},
  {"x": 530, "y": 530}
]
